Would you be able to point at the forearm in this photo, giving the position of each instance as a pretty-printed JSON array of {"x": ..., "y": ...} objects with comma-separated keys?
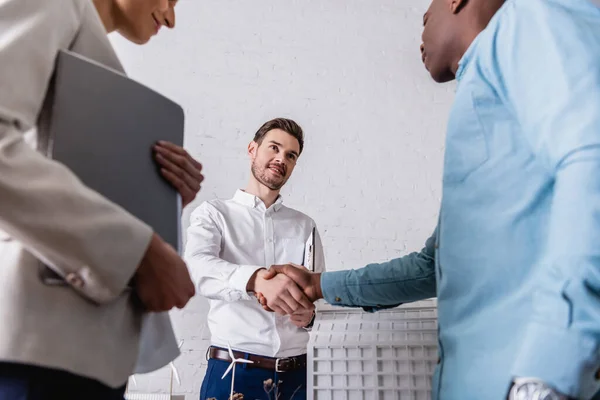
[
  {"x": 68, "y": 226},
  {"x": 561, "y": 343},
  {"x": 377, "y": 285},
  {"x": 405, "y": 279},
  {"x": 217, "y": 279}
]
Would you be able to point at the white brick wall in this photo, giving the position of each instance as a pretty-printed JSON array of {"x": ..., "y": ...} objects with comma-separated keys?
[{"x": 350, "y": 73}]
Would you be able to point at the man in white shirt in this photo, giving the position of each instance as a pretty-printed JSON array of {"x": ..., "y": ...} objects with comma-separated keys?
[{"x": 230, "y": 245}]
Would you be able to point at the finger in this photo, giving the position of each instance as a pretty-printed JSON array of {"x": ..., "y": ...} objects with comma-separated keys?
[
  {"x": 180, "y": 150},
  {"x": 300, "y": 322},
  {"x": 191, "y": 288},
  {"x": 303, "y": 313},
  {"x": 277, "y": 268},
  {"x": 264, "y": 305},
  {"x": 289, "y": 303},
  {"x": 295, "y": 318},
  {"x": 184, "y": 190},
  {"x": 301, "y": 298},
  {"x": 273, "y": 271},
  {"x": 191, "y": 180},
  {"x": 180, "y": 303},
  {"x": 184, "y": 161},
  {"x": 284, "y": 306},
  {"x": 270, "y": 274},
  {"x": 284, "y": 301},
  {"x": 171, "y": 146},
  {"x": 278, "y": 310},
  {"x": 190, "y": 176}
]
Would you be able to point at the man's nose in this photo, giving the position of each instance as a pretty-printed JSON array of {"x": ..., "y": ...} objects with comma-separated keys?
[{"x": 163, "y": 6}]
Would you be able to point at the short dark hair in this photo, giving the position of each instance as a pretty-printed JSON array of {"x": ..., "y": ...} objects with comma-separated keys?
[{"x": 286, "y": 125}]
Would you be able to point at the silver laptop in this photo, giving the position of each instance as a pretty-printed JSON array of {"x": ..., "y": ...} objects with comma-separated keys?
[{"x": 102, "y": 125}]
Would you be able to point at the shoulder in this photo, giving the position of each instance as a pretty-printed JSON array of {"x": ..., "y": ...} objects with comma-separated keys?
[
  {"x": 211, "y": 208},
  {"x": 298, "y": 215},
  {"x": 36, "y": 12},
  {"x": 539, "y": 18}
]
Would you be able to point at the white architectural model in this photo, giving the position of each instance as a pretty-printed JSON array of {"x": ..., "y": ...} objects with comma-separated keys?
[{"x": 388, "y": 355}]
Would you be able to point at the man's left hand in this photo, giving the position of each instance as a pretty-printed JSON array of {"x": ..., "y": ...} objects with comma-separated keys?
[{"x": 180, "y": 169}]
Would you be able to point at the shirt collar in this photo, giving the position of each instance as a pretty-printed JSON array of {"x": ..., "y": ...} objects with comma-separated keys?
[
  {"x": 253, "y": 201},
  {"x": 466, "y": 58}
]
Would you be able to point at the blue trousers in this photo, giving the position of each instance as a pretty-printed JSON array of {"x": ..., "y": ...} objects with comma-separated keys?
[
  {"x": 253, "y": 383},
  {"x": 27, "y": 382}
]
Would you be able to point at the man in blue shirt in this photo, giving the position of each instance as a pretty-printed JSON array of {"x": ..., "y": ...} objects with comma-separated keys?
[{"x": 514, "y": 260}]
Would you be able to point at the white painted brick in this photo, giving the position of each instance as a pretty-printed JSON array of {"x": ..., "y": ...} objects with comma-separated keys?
[{"x": 350, "y": 73}]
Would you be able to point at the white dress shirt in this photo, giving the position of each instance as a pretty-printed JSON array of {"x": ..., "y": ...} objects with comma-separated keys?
[{"x": 227, "y": 242}]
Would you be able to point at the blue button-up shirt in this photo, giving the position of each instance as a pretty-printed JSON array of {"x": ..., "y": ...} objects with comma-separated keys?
[{"x": 515, "y": 259}]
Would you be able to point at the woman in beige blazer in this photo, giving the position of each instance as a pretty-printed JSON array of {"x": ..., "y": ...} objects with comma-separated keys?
[{"x": 78, "y": 341}]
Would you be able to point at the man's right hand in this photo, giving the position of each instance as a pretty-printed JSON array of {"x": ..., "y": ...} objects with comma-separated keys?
[
  {"x": 279, "y": 293},
  {"x": 309, "y": 282},
  {"x": 162, "y": 280}
]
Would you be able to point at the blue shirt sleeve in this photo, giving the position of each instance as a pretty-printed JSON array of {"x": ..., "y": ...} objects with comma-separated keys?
[
  {"x": 545, "y": 65},
  {"x": 376, "y": 286}
]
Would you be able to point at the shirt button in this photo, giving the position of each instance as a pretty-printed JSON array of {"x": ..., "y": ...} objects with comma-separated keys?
[
  {"x": 337, "y": 299},
  {"x": 437, "y": 245},
  {"x": 597, "y": 375},
  {"x": 439, "y": 360},
  {"x": 270, "y": 240},
  {"x": 74, "y": 280}
]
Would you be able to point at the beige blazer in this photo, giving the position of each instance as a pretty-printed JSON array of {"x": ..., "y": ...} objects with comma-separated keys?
[{"x": 90, "y": 327}]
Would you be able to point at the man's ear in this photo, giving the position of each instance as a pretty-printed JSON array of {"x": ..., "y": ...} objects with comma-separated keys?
[
  {"x": 252, "y": 147},
  {"x": 457, "y": 5}
]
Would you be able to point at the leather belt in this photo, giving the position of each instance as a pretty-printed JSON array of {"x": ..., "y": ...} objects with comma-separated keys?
[{"x": 280, "y": 365}]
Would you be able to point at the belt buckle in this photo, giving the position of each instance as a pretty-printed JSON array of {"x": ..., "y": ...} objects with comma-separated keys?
[{"x": 277, "y": 365}]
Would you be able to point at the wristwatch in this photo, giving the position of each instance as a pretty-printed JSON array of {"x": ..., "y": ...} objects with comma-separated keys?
[
  {"x": 312, "y": 322},
  {"x": 533, "y": 389}
]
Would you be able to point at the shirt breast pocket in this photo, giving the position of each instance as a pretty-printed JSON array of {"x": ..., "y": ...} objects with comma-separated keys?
[
  {"x": 291, "y": 250},
  {"x": 466, "y": 145}
]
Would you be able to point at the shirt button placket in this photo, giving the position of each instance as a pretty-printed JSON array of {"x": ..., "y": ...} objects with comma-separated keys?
[
  {"x": 270, "y": 259},
  {"x": 269, "y": 240}
]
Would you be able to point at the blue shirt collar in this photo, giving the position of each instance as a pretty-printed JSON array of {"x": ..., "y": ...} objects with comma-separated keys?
[{"x": 466, "y": 58}]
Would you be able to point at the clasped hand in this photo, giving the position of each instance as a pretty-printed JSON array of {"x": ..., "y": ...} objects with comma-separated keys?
[{"x": 287, "y": 290}]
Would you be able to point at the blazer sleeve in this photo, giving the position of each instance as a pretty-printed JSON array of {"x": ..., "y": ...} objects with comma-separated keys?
[{"x": 43, "y": 205}]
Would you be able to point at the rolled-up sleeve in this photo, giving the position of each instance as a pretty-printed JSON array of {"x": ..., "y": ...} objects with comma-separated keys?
[{"x": 401, "y": 280}]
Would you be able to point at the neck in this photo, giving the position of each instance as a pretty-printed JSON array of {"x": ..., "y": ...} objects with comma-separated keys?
[
  {"x": 268, "y": 196},
  {"x": 107, "y": 10},
  {"x": 462, "y": 45},
  {"x": 475, "y": 19}
]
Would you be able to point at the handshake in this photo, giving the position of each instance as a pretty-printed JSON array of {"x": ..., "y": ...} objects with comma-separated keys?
[{"x": 287, "y": 290}]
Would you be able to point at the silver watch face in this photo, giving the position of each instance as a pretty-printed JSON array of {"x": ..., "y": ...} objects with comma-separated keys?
[{"x": 535, "y": 391}]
